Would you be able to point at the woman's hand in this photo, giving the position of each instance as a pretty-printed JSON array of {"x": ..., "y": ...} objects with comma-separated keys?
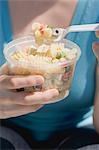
[
  {"x": 96, "y": 101},
  {"x": 14, "y": 103},
  {"x": 96, "y": 47}
]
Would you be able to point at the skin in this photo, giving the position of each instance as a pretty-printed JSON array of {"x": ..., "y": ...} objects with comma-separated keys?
[
  {"x": 50, "y": 12},
  {"x": 96, "y": 102},
  {"x": 13, "y": 103}
]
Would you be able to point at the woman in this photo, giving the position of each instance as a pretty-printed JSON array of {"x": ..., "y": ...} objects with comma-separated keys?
[{"x": 70, "y": 112}]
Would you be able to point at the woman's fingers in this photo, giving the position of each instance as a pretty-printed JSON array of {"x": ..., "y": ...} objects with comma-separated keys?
[
  {"x": 95, "y": 46},
  {"x": 42, "y": 97},
  {"x": 17, "y": 110},
  {"x": 97, "y": 34},
  {"x": 23, "y": 98},
  {"x": 9, "y": 82}
]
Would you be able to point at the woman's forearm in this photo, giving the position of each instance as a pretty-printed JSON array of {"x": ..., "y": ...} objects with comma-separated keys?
[{"x": 96, "y": 105}]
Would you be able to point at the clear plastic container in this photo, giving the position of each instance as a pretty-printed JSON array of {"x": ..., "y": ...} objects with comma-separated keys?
[{"x": 57, "y": 75}]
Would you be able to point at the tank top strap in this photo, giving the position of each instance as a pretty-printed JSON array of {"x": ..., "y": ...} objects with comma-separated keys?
[{"x": 6, "y": 25}]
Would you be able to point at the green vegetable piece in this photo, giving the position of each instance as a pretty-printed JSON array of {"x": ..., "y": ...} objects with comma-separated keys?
[{"x": 63, "y": 54}]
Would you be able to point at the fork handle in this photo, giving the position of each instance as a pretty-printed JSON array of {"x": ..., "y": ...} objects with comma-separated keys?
[{"x": 82, "y": 28}]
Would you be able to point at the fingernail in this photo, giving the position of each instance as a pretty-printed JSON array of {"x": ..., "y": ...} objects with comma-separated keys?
[{"x": 39, "y": 81}]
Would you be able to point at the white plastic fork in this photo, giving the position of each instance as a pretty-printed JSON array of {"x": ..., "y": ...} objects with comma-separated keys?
[{"x": 60, "y": 33}]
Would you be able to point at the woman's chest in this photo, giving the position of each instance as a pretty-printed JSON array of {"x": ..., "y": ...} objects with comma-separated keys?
[{"x": 83, "y": 84}]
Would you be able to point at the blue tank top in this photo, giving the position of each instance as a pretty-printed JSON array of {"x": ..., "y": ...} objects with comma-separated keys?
[{"x": 79, "y": 104}]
